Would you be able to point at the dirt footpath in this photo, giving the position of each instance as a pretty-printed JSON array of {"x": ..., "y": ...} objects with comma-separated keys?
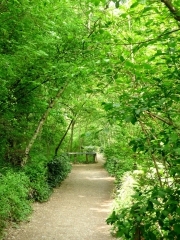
[{"x": 77, "y": 210}]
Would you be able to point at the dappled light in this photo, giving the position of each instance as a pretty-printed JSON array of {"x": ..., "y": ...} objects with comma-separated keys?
[
  {"x": 96, "y": 178},
  {"x": 103, "y": 207}
]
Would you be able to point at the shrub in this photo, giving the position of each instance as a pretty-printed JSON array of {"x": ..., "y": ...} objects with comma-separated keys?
[
  {"x": 119, "y": 155},
  {"x": 145, "y": 210},
  {"x": 117, "y": 165},
  {"x": 153, "y": 214},
  {"x": 58, "y": 170},
  {"x": 14, "y": 203},
  {"x": 37, "y": 173}
]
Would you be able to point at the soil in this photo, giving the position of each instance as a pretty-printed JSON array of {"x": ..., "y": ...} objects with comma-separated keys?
[{"x": 77, "y": 210}]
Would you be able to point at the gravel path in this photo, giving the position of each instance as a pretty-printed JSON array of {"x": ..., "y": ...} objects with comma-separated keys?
[{"x": 77, "y": 210}]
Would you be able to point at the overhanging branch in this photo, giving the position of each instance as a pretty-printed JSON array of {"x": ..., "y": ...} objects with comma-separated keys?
[{"x": 172, "y": 9}]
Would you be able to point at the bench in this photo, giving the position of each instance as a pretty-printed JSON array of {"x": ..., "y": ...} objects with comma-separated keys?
[{"x": 87, "y": 154}]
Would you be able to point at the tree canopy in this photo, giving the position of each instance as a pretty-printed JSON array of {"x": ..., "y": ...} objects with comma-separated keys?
[{"x": 100, "y": 74}]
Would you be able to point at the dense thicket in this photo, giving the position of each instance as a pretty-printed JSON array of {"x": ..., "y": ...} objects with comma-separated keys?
[
  {"x": 41, "y": 53},
  {"x": 148, "y": 98},
  {"x": 49, "y": 80},
  {"x": 85, "y": 75}
]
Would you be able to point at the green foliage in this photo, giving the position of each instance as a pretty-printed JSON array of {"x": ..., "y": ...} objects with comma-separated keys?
[
  {"x": 34, "y": 182},
  {"x": 116, "y": 166},
  {"x": 118, "y": 154},
  {"x": 153, "y": 214},
  {"x": 125, "y": 58},
  {"x": 14, "y": 193},
  {"x": 39, "y": 188},
  {"x": 116, "y": 163},
  {"x": 57, "y": 170},
  {"x": 148, "y": 81}
]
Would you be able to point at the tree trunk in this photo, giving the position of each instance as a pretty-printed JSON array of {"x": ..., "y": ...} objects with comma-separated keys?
[
  {"x": 72, "y": 121},
  {"x": 172, "y": 9},
  {"x": 63, "y": 137},
  {"x": 41, "y": 123},
  {"x": 71, "y": 137}
]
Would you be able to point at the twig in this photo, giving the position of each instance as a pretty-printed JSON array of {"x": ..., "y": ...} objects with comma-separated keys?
[{"x": 160, "y": 118}]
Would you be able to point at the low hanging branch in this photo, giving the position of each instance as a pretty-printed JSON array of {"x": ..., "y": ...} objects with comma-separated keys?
[
  {"x": 166, "y": 121},
  {"x": 172, "y": 9},
  {"x": 41, "y": 123},
  {"x": 170, "y": 123}
]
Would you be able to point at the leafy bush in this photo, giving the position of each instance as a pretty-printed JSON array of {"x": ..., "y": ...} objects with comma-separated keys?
[
  {"x": 90, "y": 148},
  {"x": 153, "y": 214},
  {"x": 116, "y": 163},
  {"x": 14, "y": 203},
  {"x": 145, "y": 210},
  {"x": 58, "y": 170},
  {"x": 37, "y": 173},
  {"x": 34, "y": 182},
  {"x": 117, "y": 166}
]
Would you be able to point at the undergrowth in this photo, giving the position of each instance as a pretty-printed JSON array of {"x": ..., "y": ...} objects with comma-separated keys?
[
  {"x": 19, "y": 187},
  {"x": 145, "y": 210},
  {"x": 57, "y": 170},
  {"x": 14, "y": 203}
]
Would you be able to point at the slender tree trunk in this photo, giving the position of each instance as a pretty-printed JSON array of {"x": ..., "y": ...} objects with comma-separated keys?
[
  {"x": 71, "y": 137},
  {"x": 41, "y": 123},
  {"x": 63, "y": 137},
  {"x": 72, "y": 121},
  {"x": 80, "y": 139}
]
